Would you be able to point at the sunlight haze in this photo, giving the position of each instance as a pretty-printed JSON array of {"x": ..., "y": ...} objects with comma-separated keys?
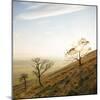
[{"x": 47, "y": 30}]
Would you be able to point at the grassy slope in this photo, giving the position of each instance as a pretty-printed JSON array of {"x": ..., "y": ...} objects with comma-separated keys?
[{"x": 65, "y": 82}]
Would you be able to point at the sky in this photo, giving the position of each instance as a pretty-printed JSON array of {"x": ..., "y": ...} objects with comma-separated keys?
[{"x": 47, "y": 30}]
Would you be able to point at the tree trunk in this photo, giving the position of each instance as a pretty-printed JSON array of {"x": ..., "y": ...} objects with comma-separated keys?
[
  {"x": 40, "y": 81},
  {"x": 39, "y": 76},
  {"x": 80, "y": 62},
  {"x": 25, "y": 83},
  {"x": 79, "y": 57},
  {"x": 80, "y": 68}
]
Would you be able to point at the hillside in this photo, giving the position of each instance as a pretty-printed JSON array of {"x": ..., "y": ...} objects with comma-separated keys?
[{"x": 65, "y": 82}]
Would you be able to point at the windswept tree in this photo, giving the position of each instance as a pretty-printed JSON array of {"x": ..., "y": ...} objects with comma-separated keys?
[
  {"x": 23, "y": 77},
  {"x": 40, "y": 67},
  {"x": 78, "y": 51}
]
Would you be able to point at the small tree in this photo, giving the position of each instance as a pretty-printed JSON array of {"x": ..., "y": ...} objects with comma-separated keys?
[
  {"x": 40, "y": 67},
  {"x": 78, "y": 51},
  {"x": 23, "y": 78}
]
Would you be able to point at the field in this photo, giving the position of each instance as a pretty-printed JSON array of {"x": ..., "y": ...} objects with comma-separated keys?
[{"x": 63, "y": 82}]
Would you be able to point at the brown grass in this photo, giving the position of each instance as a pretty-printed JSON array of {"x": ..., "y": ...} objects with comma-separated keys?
[{"x": 64, "y": 82}]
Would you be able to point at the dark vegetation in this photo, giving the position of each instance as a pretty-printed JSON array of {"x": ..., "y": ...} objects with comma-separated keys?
[
  {"x": 23, "y": 78},
  {"x": 40, "y": 67}
]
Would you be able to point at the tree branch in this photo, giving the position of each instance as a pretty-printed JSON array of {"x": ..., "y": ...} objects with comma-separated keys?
[
  {"x": 46, "y": 68},
  {"x": 35, "y": 73},
  {"x": 43, "y": 71}
]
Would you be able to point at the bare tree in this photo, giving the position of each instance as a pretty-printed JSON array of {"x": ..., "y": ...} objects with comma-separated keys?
[
  {"x": 23, "y": 78},
  {"x": 78, "y": 51},
  {"x": 40, "y": 67}
]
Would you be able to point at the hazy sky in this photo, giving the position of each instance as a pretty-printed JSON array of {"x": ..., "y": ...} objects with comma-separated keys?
[{"x": 47, "y": 30}]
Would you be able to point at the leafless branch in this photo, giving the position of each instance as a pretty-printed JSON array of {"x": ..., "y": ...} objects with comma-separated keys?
[
  {"x": 41, "y": 66},
  {"x": 35, "y": 73}
]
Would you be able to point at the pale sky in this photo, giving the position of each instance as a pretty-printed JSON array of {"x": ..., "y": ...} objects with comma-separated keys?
[{"x": 47, "y": 30}]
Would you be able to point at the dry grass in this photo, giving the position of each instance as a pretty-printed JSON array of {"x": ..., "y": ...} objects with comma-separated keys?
[{"x": 64, "y": 82}]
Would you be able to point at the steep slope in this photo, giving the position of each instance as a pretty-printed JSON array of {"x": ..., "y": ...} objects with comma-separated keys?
[{"x": 65, "y": 82}]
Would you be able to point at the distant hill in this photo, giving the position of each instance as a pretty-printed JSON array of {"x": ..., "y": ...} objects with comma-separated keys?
[{"x": 65, "y": 82}]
